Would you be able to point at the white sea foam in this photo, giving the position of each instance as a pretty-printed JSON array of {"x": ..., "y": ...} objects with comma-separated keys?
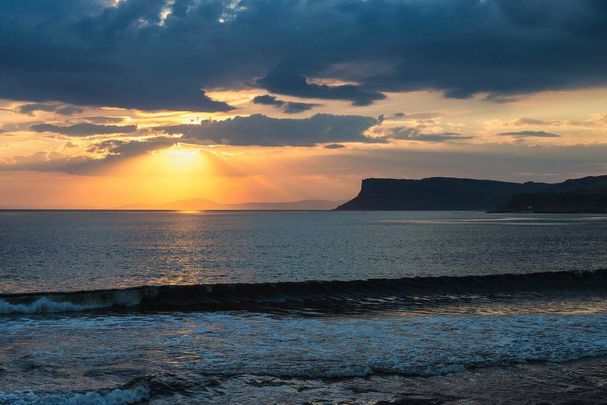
[
  {"x": 50, "y": 305},
  {"x": 118, "y": 396},
  {"x": 184, "y": 349},
  {"x": 44, "y": 305}
]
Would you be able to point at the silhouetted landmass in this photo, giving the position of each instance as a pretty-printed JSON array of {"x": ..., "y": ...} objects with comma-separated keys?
[
  {"x": 567, "y": 202},
  {"x": 585, "y": 195},
  {"x": 588, "y": 194},
  {"x": 436, "y": 193}
]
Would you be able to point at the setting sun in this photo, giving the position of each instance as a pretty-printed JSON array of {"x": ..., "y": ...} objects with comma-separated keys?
[
  {"x": 303, "y": 201},
  {"x": 177, "y": 156}
]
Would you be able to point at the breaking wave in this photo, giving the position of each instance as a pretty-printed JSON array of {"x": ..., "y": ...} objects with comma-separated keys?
[
  {"x": 130, "y": 393},
  {"x": 68, "y": 302},
  {"x": 307, "y": 294}
]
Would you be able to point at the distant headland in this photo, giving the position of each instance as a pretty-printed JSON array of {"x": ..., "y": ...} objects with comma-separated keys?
[{"x": 583, "y": 195}]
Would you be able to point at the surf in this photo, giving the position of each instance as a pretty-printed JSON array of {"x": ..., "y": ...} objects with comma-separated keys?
[{"x": 329, "y": 295}]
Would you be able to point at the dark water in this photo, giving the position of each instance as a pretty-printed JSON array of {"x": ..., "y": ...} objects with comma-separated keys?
[{"x": 304, "y": 308}]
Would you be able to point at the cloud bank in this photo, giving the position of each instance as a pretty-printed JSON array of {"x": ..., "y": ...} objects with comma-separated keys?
[
  {"x": 158, "y": 54},
  {"x": 288, "y": 107},
  {"x": 85, "y": 129},
  {"x": 30, "y": 109},
  {"x": 530, "y": 134},
  {"x": 260, "y": 130},
  {"x": 414, "y": 134}
]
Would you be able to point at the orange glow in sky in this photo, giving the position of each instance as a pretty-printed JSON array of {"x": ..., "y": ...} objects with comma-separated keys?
[{"x": 50, "y": 170}]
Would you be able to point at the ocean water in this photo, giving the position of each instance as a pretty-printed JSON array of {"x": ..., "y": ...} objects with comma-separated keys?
[{"x": 302, "y": 307}]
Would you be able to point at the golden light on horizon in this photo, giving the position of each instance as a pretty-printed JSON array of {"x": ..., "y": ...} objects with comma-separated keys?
[
  {"x": 43, "y": 166},
  {"x": 178, "y": 156}
]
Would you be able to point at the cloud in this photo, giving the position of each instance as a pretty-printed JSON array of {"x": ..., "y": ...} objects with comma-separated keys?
[
  {"x": 334, "y": 146},
  {"x": 511, "y": 161},
  {"x": 501, "y": 98},
  {"x": 116, "y": 148},
  {"x": 294, "y": 84},
  {"x": 292, "y": 107},
  {"x": 532, "y": 121},
  {"x": 288, "y": 107},
  {"x": 268, "y": 100},
  {"x": 60, "y": 109},
  {"x": 414, "y": 134},
  {"x": 104, "y": 154},
  {"x": 261, "y": 130},
  {"x": 530, "y": 134},
  {"x": 596, "y": 121},
  {"x": 102, "y": 120},
  {"x": 514, "y": 162},
  {"x": 154, "y": 54},
  {"x": 85, "y": 129}
]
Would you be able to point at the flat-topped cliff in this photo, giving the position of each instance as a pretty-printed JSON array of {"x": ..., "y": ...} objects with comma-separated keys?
[{"x": 445, "y": 193}]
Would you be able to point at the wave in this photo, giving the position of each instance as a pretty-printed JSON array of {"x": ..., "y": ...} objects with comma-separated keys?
[
  {"x": 133, "y": 392},
  {"x": 306, "y": 294},
  {"x": 69, "y": 301}
]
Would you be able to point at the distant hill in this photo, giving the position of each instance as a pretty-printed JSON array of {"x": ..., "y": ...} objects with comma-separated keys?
[
  {"x": 585, "y": 195},
  {"x": 566, "y": 202},
  {"x": 199, "y": 204},
  {"x": 444, "y": 193}
]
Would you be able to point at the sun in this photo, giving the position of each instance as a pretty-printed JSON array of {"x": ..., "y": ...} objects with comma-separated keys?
[{"x": 179, "y": 156}]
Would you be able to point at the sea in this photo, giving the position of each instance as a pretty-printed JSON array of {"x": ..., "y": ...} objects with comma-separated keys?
[{"x": 117, "y": 307}]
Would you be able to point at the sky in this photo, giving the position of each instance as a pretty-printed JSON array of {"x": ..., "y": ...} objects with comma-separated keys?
[{"x": 121, "y": 103}]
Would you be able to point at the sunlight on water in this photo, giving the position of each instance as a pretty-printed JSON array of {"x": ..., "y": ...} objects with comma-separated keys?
[
  {"x": 42, "y": 251},
  {"x": 393, "y": 332}
]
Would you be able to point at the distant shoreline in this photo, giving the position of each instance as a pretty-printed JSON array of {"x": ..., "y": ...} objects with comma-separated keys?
[
  {"x": 583, "y": 195},
  {"x": 151, "y": 210}
]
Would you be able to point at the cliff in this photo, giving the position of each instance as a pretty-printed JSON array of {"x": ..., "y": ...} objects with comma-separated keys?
[
  {"x": 585, "y": 195},
  {"x": 568, "y": 202},
  {"x": 443, "y": 193}
]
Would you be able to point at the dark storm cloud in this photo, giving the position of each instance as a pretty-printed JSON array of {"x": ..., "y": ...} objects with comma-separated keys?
[
  {"x": 530, "y": 134},
  {"x": 287, "y": 82},
  {"x": 268, "y": 100},
  {"x": 292, "y": 107},
  {"x": 29, "y": 109},
  {"x": 156, "y": 54},
  {"x": 84, "y": 129},
  {"x": 261, "y": 130},
  {"x": 69, "y": 110},
  {"x": 288, "y": 107}
]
